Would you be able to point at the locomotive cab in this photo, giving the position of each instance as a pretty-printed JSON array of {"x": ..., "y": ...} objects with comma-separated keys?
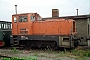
[
  {"x": 23, "y": 22},
  {"x": 22, "y": 25}
]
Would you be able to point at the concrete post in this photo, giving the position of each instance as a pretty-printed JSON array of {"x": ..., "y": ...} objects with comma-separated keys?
[
  {"x": 88, "y": 31},
  {"x": 88, "y": 27},
  {"x": 88, "y": 43}
]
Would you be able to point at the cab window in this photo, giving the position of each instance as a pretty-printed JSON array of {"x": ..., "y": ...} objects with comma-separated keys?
[
  {"x": 39, "y": 18},
  {"x": 23, "y": 19},
  {"x": 32, "y": 18},
  {"x": 15, "y": 19}
]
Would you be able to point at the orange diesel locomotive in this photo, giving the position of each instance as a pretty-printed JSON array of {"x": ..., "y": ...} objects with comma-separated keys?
[{"x": 30, "y": 30}]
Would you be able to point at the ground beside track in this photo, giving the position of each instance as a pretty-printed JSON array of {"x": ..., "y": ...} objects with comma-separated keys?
[{"x": 44, "y": 54}]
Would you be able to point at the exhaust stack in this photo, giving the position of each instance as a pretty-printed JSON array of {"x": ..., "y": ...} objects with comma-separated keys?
[{"x": 16, "y": 9}]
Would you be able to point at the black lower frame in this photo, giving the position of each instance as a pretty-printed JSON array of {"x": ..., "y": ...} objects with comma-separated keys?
[{"x": 37, "y": 40}]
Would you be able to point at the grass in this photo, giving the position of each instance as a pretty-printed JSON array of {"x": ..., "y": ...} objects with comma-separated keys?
[
  {"x": 59, "y": 59},
  {"x": 61, "y": 53},
  {"x": 77, "y": 54},
  {"x": 36, "y": 54},
  {"x": 14, "y": 49},
  {"x": 81, "y": 53},
  {"x": 16, "y": 58}
]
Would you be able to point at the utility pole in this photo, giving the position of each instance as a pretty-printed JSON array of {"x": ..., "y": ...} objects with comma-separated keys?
[{"x": 77, "y": 12}]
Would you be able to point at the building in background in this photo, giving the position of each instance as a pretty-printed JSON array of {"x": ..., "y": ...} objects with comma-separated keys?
[
  {"x": 55, "y": 13},
  {"x": 82, "y": 22}
]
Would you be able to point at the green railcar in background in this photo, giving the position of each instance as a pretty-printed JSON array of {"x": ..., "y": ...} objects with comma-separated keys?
[
  {"x": 1, "y": 38},
  {"x": 6, "y": 38},
  {"x": 1, "y": 35},
  {"x": 5, "y": 32}
]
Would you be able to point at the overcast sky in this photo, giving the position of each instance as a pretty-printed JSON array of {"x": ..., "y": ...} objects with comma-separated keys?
[{"x": 43, "y": 7}]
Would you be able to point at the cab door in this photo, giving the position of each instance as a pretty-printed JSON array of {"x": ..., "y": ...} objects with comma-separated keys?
[
  {"x": 23, "y": 25},
  {"x": 14, "y": 25}
]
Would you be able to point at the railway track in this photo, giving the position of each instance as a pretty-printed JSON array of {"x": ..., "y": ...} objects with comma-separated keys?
[{"x": 35, "y": 49}]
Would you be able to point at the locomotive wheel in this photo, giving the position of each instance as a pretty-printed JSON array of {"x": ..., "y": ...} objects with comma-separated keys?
[
  {"x": 76, "y": 44},
  {"x": 26, "y": 45},
  {"x": 49, "y": 47},
  {"x": 52, "y": 46},
  {"x": 39, "y": 46}
]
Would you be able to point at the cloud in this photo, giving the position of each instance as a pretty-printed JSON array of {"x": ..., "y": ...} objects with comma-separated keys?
[{"x": 43, "y": 7}]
